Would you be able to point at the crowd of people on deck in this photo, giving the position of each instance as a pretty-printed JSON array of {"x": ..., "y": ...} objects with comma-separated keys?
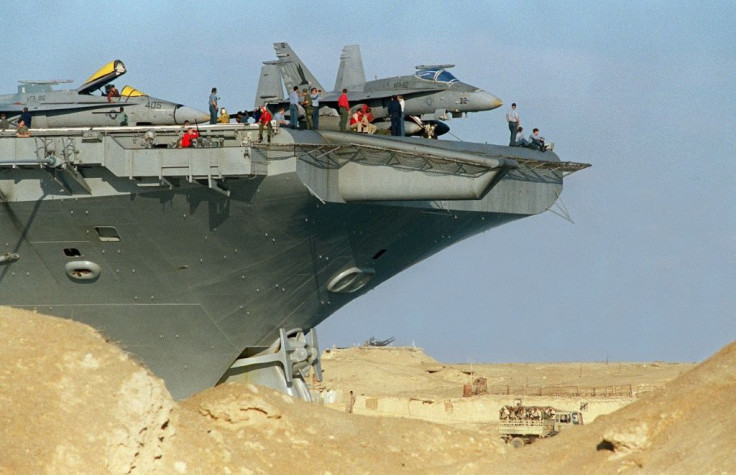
[
  {"x": 306, "y": 104},
  {"x": 24, "y": 124},
  {"x": 361, "y": 120}
]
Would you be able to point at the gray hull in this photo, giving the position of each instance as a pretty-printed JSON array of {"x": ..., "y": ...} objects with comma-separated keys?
[{"x": 187, "y": 277}]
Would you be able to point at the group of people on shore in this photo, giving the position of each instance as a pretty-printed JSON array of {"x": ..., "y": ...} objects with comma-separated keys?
[
  {"x": 530, "y": 413},
  {"x": 517, "y": 139}
]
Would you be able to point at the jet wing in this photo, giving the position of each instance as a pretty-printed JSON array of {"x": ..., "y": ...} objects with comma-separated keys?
[
  {"x": 11, "y": 108},
  {"x": 104, "y": 75},
  {"x": 364, "y": 96},
  {"x": 360, "y": 97},
  {"x": 14, "y": 109}
]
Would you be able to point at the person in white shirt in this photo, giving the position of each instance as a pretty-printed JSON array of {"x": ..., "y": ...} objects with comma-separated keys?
[
  {"x": 316, "y": 95},
  {"x": 402, "y": 130},
  {"x": 520, "y": 140},
  {"x": 279, "y": 117},
  {"x": 512, "y": 117}
]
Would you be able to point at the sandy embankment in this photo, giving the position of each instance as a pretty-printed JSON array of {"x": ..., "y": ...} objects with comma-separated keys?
[
  {"x": 76, "y": 403},
  {"x": 404, "y": 382}
]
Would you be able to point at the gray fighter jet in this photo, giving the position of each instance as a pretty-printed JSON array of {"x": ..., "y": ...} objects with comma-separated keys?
[
  {"x": 431, "y": 94},
  {"x": 91, "y": 106}
]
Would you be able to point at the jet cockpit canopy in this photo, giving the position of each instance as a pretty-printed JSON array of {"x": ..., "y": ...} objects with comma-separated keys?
[
  {"x": 436, "y": 73},
  {"x": 103, "y": 76},
  {"x": 131, "y": 92}
]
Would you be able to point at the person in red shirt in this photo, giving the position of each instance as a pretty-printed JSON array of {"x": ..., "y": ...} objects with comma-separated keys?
[
  {"x": 186, "y": 139},
  {"x": 189, "y": 136},
  {"x": 264, "y": 121},
  {"x": 112, "y": 93},
  {"x": 356, "y": 121},
  {"x": 344, "y": 108}
]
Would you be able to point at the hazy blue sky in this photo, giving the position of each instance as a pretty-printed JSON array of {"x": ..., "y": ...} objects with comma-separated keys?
[{"x": 645, "y": 91}]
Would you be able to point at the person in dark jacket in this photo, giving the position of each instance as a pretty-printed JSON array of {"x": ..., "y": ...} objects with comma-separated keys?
[
  {"x": 394, "y": 111},
  {"x": 25, "y": 116}
]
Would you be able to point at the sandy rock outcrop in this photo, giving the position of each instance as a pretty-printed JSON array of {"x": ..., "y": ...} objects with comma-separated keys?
[
  {"x": 240, "y": 427},
  {"x": 75, "y": 403},
  {"x": 72, "y": 402}
]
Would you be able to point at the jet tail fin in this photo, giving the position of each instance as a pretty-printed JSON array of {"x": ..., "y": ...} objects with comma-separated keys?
[
  {"x": 293, "y": 70},
  {"x": 351, "y": 73},
  {"x": 269, "y": 85}
]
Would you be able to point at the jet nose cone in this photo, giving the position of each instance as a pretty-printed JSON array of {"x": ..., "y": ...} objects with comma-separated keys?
[
  {"x": 488, "y": 100},
  {"x": 495, "y": 102},
  {"x": 481, "y": 100},
  {"x": 194, "y": 116}
]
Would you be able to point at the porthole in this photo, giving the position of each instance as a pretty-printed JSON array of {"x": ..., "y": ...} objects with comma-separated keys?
[
  {"x": 82, "y": 270},
  {"x": 350, "y": 280}
]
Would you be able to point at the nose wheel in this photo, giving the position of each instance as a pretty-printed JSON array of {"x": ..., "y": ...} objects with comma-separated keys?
[{"x": 428, "y": 128}]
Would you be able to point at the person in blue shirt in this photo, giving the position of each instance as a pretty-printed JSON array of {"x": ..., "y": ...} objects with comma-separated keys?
[
  {"x": 537, "y": 142},
  {"x": 394, "y": 111},
  {"x": 25, "y": 116},
  {"x": 213, "y": 106},
  {"x": 279, "y": 117},
  {"x": 294, "y": 108}
]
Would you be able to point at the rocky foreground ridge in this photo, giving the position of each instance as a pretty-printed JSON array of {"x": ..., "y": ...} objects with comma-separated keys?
[{"x": 75, "y": 403}]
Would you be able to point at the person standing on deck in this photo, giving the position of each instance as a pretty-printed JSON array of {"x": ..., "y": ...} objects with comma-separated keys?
[
  {"x": 512, "y": 117},
  {"x": 344, "y": 108}
]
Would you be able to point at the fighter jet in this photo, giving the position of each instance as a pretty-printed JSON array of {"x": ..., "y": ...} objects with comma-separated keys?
[
  {"x": 91, "y": 106},
  {"x": 431, "y": 94}
]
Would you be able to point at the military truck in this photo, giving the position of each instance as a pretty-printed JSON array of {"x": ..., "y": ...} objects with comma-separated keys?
[
  {"x": 520, "y": 425},
  {"x": 519, "y": 432},
  {"x": 569, "y": 418}
]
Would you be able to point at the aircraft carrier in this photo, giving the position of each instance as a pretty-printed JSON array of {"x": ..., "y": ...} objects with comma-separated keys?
[{"x": 215, "y": 262}]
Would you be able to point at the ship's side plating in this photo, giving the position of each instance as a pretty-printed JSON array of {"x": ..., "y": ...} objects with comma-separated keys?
[{"x": 189, "y": 256}]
